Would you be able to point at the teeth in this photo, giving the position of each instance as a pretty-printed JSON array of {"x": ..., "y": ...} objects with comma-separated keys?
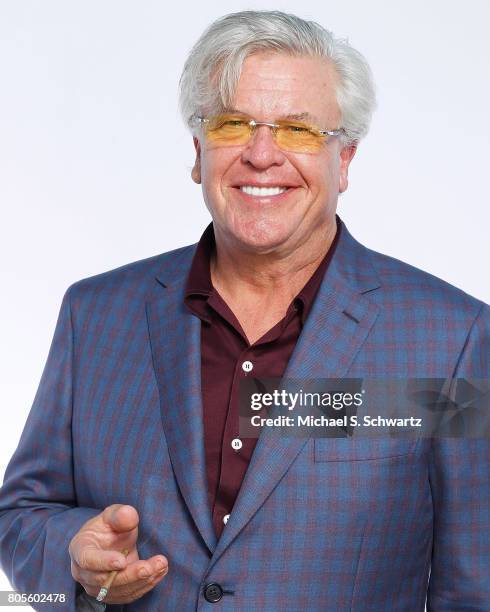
[{"x": 262, "y": 191}]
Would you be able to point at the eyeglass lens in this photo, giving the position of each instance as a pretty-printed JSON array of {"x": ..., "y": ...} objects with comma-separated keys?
[{"x": 229, "y": 130}]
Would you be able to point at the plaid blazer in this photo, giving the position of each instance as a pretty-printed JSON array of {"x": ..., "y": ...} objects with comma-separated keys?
[{"x": 319, "y": 524}]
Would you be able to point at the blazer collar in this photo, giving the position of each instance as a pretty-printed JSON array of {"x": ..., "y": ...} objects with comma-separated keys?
[{"x": 351, "y": 264}]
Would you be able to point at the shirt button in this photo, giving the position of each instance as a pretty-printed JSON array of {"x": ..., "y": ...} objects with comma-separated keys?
[
  {"x": 225, "y": 518},
  {"x": 236, "y": 444},
  {"x": 247, "y": 366}
]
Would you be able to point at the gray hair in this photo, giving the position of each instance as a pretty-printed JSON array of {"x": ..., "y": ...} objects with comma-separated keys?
[{"x": 213, "y": 67}]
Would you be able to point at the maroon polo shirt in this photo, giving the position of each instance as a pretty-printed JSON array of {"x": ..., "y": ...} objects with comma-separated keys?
[{"x": 224, "y": 351}]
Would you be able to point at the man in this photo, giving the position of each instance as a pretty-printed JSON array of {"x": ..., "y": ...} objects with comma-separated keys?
[{"x": 133, "y": 440}]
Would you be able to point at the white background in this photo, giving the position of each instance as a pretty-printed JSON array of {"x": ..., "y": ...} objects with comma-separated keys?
[{"x": 95, "y": 161}]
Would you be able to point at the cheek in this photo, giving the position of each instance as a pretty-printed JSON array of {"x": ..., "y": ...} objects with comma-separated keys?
[
  {"x": 323, "y": 181},
  {"x": 321, "y": 174},
  {"x": 331, "y": 177},
  {"x": 213, "y": 166},
  {"x": 208, "y": 168}
]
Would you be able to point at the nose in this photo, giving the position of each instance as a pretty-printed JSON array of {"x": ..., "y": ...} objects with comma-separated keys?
[{"x": 262, "y": 151}]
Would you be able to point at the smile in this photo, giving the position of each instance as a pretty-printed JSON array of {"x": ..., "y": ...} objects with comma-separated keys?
[{"x": 262, "y": 191}]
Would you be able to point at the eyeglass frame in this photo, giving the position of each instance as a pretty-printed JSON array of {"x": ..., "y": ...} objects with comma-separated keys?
[{"x": 254, "y": 124}]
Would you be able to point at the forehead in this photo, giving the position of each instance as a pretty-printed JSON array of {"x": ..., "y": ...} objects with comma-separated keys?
[{"x": 274, "y": 85}]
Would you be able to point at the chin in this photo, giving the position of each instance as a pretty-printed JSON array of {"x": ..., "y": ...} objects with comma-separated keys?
[{"x": 261, "y": 235}]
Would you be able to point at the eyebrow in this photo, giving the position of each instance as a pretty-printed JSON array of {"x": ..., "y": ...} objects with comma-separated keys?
[
  {"x": 293, "y": 116},
  {"x": 300, "y": 117}
]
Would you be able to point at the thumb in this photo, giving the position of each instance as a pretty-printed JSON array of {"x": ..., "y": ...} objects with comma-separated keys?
[{"x": 120, "y": 517}]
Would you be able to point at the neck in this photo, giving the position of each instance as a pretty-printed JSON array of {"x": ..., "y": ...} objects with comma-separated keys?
[{"x": 241, "y": 275}]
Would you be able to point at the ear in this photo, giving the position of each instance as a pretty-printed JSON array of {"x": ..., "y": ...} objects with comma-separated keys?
[
  {"x": 346, "y": 155},
  {"x": 196, "y": 170}
]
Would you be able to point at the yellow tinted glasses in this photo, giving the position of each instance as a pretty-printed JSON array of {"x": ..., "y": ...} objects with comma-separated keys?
[{"x": 230, "y": 129}]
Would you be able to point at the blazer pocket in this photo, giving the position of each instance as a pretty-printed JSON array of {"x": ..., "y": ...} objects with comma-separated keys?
[{"x": 362, "y": 449}]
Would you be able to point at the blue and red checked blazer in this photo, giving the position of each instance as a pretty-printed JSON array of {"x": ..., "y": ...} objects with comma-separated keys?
[{"x": 319, "y": 524}]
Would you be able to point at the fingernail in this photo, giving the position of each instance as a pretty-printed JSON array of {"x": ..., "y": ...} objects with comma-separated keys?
[
  {"x": 144, "y": 573},
  {"x": 158, "y": 575},
  {"x": 117, "y": 564}
]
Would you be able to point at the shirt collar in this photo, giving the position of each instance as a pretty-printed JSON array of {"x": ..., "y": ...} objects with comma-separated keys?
[
  {"x": 199, "y": 279},
  {"x": 199, "y": 285}
]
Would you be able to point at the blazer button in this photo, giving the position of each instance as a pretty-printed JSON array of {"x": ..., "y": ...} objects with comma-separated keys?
[{"x": 213, "y": 592}]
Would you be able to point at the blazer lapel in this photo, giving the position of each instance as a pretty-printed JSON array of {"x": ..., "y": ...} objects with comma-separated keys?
[
  {"x": 334, "y": 331},
  {"x": 175, "y": 344}
]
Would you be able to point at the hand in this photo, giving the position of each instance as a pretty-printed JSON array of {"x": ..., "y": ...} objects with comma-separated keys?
[{"x": 95, "y": 552}]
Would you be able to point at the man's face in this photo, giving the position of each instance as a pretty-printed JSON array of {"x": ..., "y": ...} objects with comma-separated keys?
[{"x": 271, "y": 87}]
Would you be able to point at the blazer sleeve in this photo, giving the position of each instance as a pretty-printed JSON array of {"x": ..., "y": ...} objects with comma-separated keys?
[
  {"x": 38, "y": 505},
  {"x": 460, "y": 484}
]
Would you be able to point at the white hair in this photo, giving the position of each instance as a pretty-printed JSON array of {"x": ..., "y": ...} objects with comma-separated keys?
[{"x": 212, "y": 69}]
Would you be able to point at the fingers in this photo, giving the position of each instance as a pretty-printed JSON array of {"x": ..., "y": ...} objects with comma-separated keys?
[
  {"x": 129, "y": 593},
  {"x": 138, "y": 570},
  {"x": 138, "y": 578},
  {"x": 95, "y": 559}
]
